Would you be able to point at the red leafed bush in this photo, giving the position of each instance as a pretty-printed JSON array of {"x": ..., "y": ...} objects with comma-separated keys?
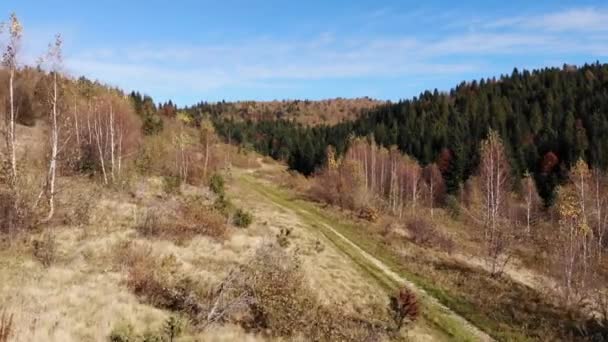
[{"x": 404, "y": 306}]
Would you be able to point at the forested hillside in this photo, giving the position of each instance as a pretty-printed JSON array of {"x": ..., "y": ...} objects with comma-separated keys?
[
  {"x": 330, "y": 111},
  {"x": 548, "y": 119}
]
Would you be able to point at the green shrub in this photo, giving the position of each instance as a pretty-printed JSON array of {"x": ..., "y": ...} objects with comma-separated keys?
[
  {"x": 171, "y": 184},
  {"x": 150, "y": 336},
  {"x": 86, "y": 163},
  {"x": 143, "y": 161},
  {"x": 242, "y": 218},
  {"x": 217, "y": 184},
  {"x": 452, "y": 206},
  {"x": 223, "y": 205},
  {"x": 122, "y": 333},
  {"x": 173, "y": 327},
  {"x": 152, "y": 124}
]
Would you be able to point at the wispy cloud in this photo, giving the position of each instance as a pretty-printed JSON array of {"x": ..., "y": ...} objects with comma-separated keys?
[
  {"x": 173, "y": 68},
  {"x": 586, "y": 19}
]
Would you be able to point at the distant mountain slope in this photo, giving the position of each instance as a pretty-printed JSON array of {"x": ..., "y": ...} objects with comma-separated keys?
[{"x": 548, "y": 118}]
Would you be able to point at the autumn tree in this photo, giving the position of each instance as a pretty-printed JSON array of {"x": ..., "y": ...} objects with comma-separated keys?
[
  {"x": 581, "y": 222},
  {"x": 571, "y": 236}
]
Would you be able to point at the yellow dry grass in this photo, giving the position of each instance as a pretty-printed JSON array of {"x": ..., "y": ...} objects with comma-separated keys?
[{"x": 83, "y": 296}]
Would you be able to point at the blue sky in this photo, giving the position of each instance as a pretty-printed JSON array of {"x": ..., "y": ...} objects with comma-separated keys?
[{"x": 262, "y": 50}]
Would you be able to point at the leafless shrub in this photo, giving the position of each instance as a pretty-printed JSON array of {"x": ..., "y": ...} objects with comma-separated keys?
[
  {"x": 128, "y": 254},
  {"x": 15, "y": 211},
  {"x": 148, "y": 224},
  {"x": 319, "y": 246},
  {"x": 45, "y": 249},
  {"x": 283, "y": 237},
  {"x": 6, "y": 326},
  {"x": 79, "y": 212},
  {"x": 424, "y": 233}
]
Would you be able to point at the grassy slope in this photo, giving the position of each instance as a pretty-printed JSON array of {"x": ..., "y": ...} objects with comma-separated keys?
[{"x": 434, "y": 314}]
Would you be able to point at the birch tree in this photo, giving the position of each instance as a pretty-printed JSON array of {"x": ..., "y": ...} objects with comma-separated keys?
[
  {"x": 531, "y": 199},
  {"x": 56, "y": 121},
  {"x": 600, "y": 215},
  {"x": 10, "y": 61},
  {"x": 207, "y": 138},
  {"x": 494, "y": 178},
  {"x": 434, "y": 182},
  {"x": 100, "y": 140}
]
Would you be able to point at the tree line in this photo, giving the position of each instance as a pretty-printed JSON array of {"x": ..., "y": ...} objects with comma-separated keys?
[{"x": 548, "y": 119}]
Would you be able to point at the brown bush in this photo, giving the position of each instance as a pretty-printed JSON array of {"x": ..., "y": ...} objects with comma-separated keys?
[
  {"x": 191, "y": 219},
  {"x": 369, "y": 214},
  {"x": 158, "y": 280},
  {"x": 127, "y": 253},
  {"x": 424, "y": 233},
  {"x": 201, "y": 219}
]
